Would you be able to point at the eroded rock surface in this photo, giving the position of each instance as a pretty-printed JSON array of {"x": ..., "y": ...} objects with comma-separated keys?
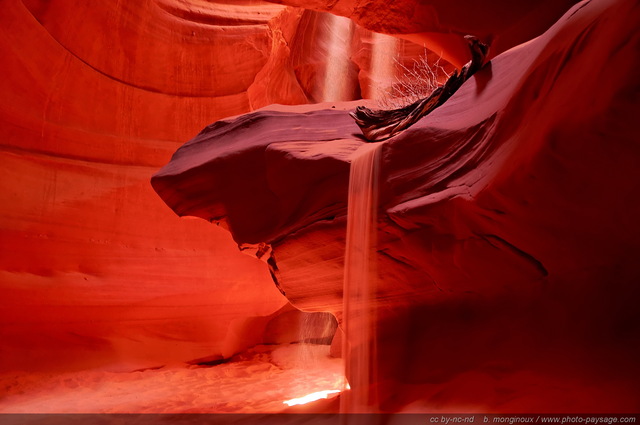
[
  {"x": 96, "y": 96},
  {"x": 441, "y": 24},
  {"x": 507, "y": 228}
]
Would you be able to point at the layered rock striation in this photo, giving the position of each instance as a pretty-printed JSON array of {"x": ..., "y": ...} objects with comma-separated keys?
[
  {"x": 96, "y": 96},
  {"x": 507, "y": 224}
]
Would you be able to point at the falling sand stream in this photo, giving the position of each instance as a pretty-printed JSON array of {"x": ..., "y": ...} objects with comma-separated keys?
[{"x": 358, "y": 324}]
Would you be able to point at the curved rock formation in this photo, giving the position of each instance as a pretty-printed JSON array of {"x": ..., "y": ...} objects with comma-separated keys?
[
  {"x": 96, "y": 96},
  {"x": 507, "y": 227},
  {"x": 94, "y": 269},
  {"x": 441, "y": 25}
]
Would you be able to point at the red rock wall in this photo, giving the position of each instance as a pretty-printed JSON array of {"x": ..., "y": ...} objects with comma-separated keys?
[
  {"x": 96, "y": 96},
  {"x": 94, "y": 268},
  {"x": 507, "y": 233},
  {"x": 441, "y": 23}
]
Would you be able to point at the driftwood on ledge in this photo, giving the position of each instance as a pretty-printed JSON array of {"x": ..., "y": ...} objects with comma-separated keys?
[{"x": 377, "y": 125}]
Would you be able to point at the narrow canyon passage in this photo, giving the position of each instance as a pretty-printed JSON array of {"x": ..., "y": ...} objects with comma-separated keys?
[{"x": 176, "y": 224}]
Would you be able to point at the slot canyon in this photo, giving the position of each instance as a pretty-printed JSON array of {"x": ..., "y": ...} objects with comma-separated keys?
[{"x": 191, "y": 221}]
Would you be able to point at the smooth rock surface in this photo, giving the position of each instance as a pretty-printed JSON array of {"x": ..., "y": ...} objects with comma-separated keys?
[
  {"x": 507, "y": 231},
  {"x": 95, "y": 271},
  {"x": 441, "y": 24},
  {"x": 96, "y": 96}
]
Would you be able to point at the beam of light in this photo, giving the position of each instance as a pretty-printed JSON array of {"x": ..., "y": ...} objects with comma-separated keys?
[
  {"x": 310, "y": 397},
  {"x": 383, "y": 53},
  {"x": 336, "y": 73}
]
